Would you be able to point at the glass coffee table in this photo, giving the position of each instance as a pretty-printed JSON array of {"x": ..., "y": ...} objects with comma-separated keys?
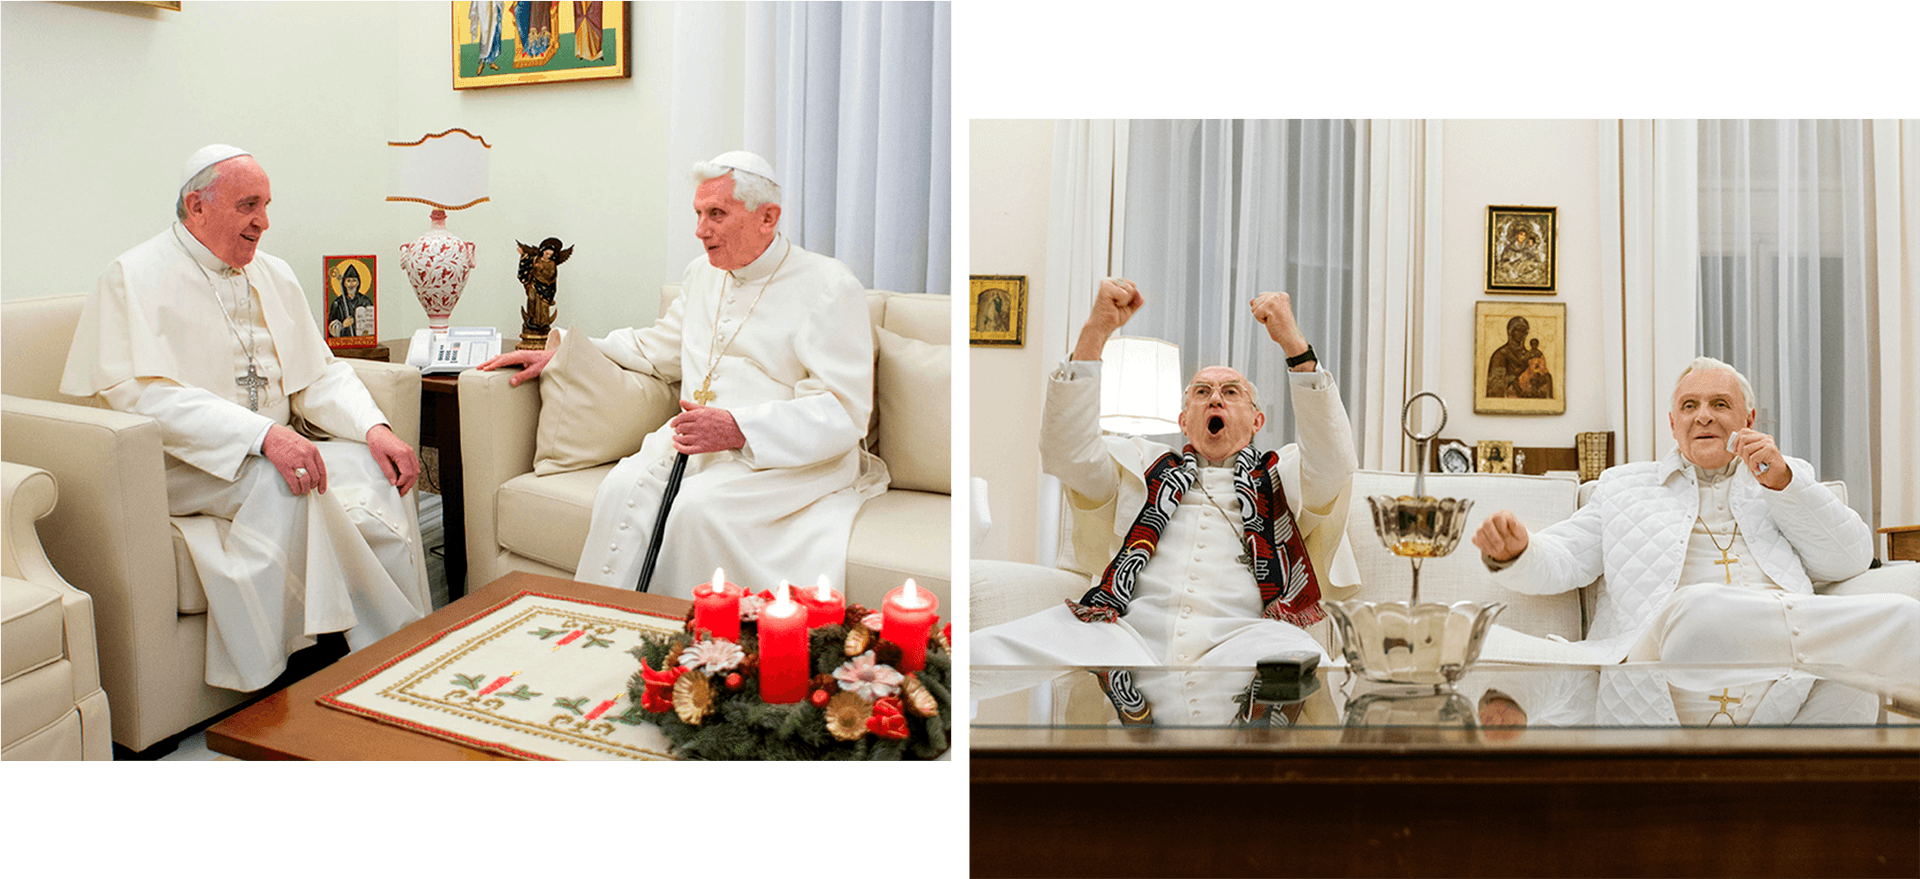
[{"x": 1611, "y": 770}]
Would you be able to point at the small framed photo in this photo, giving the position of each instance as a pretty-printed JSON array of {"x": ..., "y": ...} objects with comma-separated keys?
[
  {"x": 997, "y": 310},
  {"x": 1521, "y": 248},
  {"x": 352, "y": 302},
  {"x": 1496, "y": 456},
  {"x": 1519, "y": 358},
  {"x": 1455, "y": 457}
]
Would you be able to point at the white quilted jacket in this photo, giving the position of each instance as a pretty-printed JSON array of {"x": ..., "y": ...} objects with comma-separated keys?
[{"x": 1634, "y": 530}]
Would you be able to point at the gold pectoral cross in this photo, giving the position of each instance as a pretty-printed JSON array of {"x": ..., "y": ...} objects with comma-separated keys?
[
  {"x": 1729, "y": 561},
  {"x": 1724, "y": 698},
  {"x": 253, "y": 381},
  {"x": 705, "y": 396}
]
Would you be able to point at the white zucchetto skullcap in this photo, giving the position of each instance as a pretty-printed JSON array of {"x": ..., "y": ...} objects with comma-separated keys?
[
  {"x": 741, "y": 160},
  {"x": 211, "y": 154}
]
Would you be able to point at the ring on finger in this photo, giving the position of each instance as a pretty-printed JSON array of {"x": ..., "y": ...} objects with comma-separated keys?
[{"x": 300, "y": 472}]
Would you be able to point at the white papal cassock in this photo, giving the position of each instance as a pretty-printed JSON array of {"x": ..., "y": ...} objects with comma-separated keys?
[
  {"x": 1194, "y": 603},
  {"x": 798, "y": 378},
  {"x": 152, "y": 341}
]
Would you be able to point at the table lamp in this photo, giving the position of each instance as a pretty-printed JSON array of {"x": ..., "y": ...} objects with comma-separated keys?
[
  {"x": 449, "y": 172},
  {"x": 1140, "y": 386}
]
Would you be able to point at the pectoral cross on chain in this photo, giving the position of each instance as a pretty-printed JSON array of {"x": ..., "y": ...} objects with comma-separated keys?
[
  {"x": 253, "y": 381},
  {"x": 1724, "y": 698},
  {"x": 1728, "y": 561},
  {"x": 705, "y": 394}
]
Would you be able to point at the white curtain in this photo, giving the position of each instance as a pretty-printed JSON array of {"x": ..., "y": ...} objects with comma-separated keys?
[
  {"x": 1216, "y": 212},
  {"x": 851, "y": 102},
  {"x": 1788, "y": 286}
]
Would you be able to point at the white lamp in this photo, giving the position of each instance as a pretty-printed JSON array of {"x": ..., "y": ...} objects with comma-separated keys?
[
  {"x": 449, "y": 172},
  {"x": 1140, "y": 386}
]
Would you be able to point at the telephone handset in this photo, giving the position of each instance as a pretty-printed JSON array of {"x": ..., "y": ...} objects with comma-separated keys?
[{"x": 461, "y": 348}]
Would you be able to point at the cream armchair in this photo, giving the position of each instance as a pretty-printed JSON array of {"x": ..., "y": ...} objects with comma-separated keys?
[
  {"x": 520, "y": 521},
  {"x": 111, "y": 536},
  {"x": 53, "y": 707}
]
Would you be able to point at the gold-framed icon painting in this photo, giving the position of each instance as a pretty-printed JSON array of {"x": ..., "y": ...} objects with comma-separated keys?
[
  {"x": 997, "y": 310},
  {"x": 1496, "y": 456},
  {"x": 499, "y": 43},
  {"x": 352, "y": 302},
  {"x": 1519, "y": 358},
  {"x": 1522, "y": 243}
]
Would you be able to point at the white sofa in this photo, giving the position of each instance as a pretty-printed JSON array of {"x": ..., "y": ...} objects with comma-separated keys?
[
  {"x": 111, "y": 537},
  {"x": 54, "y": 708},
  {"x": 520, "y": 521},
  {"x": 1002, "y": 591}
]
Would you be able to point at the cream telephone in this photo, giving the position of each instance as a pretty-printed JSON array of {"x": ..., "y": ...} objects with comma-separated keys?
[{"x": 461, "y": 348}]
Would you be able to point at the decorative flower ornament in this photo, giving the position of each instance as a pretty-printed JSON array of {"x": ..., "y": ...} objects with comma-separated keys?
[
  {"x": 873, "y": 620},
  {"x": 750, "y": 605},
  {"x": 692, "y": 698},
  {"x": 713, "y": 655},
  {"x": 887, "y": 722},
  {"x": 866, "y": 678},
  {"x": 847, "y": 717},
  {"x": 659, "y": 693}
]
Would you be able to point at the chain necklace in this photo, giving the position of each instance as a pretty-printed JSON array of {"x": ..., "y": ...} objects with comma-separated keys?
[
  {"x": 705, "y": 394},
  {"x": 253, "y": 381},
  {"x": 1246, "y": 545},
  {"x": 1727, "y": 559}
]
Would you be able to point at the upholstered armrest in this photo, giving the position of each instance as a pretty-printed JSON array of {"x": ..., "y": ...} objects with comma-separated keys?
[
  {"x": 1897, "y": 578},
  {"x": 1004, "y": 591},
  {"x": 108, "y": 534},
  {"x": 497, "y": 426},
  {"x": 396, "y": 390},
  {"x": 28, "y": 494}
]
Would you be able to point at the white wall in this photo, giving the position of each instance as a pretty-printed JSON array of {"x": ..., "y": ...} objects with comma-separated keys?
[
  {"x": 92, "y": 149},
  {"x": 1528, "y": 162},
  {"x": 1009, "y": 181}
]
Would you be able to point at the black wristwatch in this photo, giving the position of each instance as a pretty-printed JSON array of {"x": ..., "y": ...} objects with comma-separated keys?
[{"x": 1306, "y": 356}]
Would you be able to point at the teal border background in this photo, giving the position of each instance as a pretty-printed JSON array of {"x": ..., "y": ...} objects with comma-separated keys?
[{"x": 1014, "y": 58}]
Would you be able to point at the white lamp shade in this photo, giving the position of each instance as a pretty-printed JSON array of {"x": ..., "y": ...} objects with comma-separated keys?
[
  {"x": 1140, "y": 386},
  {"x": 446, "y": 170}
]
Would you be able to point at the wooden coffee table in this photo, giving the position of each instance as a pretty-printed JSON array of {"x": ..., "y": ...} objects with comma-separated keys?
[{"x": 291, "y": 725}]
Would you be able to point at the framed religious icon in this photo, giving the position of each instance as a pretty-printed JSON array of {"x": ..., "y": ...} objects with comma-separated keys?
[
  {"x": 1496, "y": 456},
  {"x": 1519, "y": 358},
  {"x": 497, "y": 43},
  {"x": 352, "y": 303},
  {"x": 997, "y": 310},
  {"x": 1521, "y": 247},
  {"x": 1455, "y": 457}
]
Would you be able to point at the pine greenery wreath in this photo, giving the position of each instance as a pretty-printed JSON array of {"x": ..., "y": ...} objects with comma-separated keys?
[{"x": 716, "y": 714}]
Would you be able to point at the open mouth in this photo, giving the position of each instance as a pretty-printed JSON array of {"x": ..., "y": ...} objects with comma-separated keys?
[{"x": 1215, "y": 424}]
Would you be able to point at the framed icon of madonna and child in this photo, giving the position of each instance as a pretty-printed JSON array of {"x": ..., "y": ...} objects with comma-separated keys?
[{"x": 1519, "y": 358}]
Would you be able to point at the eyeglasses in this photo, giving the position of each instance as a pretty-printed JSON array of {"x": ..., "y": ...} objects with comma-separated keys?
[{"x": 1232, "y": 392}]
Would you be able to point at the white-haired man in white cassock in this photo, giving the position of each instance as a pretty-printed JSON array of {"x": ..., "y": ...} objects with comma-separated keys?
[
  {"x": 1217, "y": 550},
  {"x": 215, "y": 341},
  {"x": 1710, "y": 554},
  {"x": 773, "y": 348}
]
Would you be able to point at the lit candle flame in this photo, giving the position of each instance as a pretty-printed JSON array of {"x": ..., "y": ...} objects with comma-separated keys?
[
  {"x": 910, "y": 595},
  {"x": 782, "y": 595},
  {"x": 719, "y": 580},
  {"x": 822, "y": 591}
]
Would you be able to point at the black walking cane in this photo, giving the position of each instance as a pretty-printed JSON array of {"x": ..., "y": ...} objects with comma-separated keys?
[{"x": 660, "y": 521}]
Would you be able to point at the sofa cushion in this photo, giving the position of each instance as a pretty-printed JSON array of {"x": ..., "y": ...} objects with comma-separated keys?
[
  {"x": 902, "y": 534},
  {"x": 1538, "y": 501},
  {"x": 592, "y": 411},
  {"x": 32, "y": 628},
  {"x": 911, "y": 394},
  {"x": 545, "y": 518},
  {"x": 35, "y": 699},
  {"x": 924, "y": 316}
]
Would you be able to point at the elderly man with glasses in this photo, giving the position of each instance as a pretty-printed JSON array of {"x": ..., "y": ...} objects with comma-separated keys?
[{"x": 1215, "y": 550}]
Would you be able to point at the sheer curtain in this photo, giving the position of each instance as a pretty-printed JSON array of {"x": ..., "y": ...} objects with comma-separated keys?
[
  {"x": 1219, "y": 211},
  {"x": 851, "y": 102},
  {"x": 1788, "y": 284}
]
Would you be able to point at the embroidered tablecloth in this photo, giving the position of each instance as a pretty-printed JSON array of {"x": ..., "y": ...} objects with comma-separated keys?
[{"x": 536, "y": 676}]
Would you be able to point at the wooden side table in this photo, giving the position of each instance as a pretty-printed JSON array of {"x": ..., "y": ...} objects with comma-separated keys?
[
  {"x": 440, "y": 428},
  {"x": 1903, "y": 542}
]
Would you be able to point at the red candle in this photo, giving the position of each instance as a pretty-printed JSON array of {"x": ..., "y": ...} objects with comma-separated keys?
[
  {"x": 497, "y": 684},
  {"x": 783, "y": 649},
  {"x": 825, "y": 605},
  {"x": 595, "y": 713},
  {"x": 716, "y": 608},
  {"x": 906, "y": 616}
]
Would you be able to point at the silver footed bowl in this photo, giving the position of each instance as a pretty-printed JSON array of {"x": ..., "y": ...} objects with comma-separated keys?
[
  {"x": 1419, "y": 527},
  {"x": 1402, "y": 643}
]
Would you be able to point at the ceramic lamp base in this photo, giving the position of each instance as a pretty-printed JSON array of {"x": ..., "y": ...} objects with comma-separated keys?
[{"x": 437, "y": 264}]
